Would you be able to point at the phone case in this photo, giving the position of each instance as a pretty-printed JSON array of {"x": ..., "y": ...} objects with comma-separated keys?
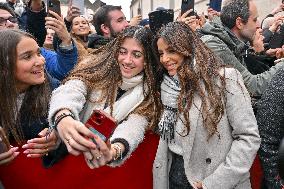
[
  {"x": 4, "y": 141},
  {"x": 101, "y": 124},
  {"x": 186, "y": 5},
  {"x": 54, "y": 5}
]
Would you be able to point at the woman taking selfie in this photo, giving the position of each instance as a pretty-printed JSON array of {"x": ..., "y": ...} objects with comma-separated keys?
[
  {"x": 208, "y": 130},
  {"x": 25, "y": 94},
  {"x": 118, "y": 79}
]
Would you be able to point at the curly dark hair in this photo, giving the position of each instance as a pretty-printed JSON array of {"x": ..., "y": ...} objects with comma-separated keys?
[
  {"x": 100, "y": 71},
  {"x": 201, "y": 77}
]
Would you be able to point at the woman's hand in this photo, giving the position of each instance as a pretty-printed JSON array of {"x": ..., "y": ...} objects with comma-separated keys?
[
  {"x": 278, "y": 53},
  {"x": 72, "y": 12},
  {"x": 100, "y": 156},
  {"x": 276, "y": 23},
  {"x": 75, "y": 135},
  {"x": 38, "y": 147},
  {"x": 135, "y": 20},
  {"x": 191, "y": 21},
  {"x": 57, "y": 24},
  {"x": 212, "y": 13},
  {"x": 9, "y": 156}
]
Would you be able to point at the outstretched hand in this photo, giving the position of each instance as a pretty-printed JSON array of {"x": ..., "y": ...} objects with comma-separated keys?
[
  {"x": 191, "y": 21},
  {"x": 75, "y": 135},
  {"x": 9, "y": 156},
  {"x": 100, "y": 156},
  {"x": 38, "y": 147},
  {"x": 57, "y": 24}
]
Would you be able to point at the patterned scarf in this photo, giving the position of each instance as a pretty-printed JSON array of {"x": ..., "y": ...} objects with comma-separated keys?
[{"x": 170, "y": 90}]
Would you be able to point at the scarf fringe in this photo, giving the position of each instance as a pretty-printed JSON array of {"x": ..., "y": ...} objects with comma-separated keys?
[{"x": 167, "y": 123}]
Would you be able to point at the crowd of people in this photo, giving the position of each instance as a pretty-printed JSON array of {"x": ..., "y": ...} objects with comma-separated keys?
[{"x": 197, "y": 104}]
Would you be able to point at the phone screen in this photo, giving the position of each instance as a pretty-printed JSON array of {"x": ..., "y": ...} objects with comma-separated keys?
[{"x": 187, "y": 5}]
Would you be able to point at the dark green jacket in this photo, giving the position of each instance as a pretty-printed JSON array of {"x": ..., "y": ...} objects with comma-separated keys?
[{"x": 232, "y": 51}]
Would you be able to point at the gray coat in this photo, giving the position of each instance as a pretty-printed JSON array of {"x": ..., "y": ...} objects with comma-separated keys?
[
  {"x": 219, "y": 163},
  {"x": 231, "y": 50}
]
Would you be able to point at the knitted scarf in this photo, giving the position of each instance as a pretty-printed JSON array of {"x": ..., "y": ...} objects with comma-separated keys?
[
  {"x": 170, "y": 90},
  {"x": 130, "y": 100}
]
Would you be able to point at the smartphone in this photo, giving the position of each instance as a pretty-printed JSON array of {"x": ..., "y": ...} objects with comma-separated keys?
[
  {"x": 139, "y": 11},
  {"x": 215, "y": 5},
  {"x": 186, "y": 5},
  {"x": 53, "y": 5},
  {"x": 159, "y": 18},
  {"x": 101, "y": 124},
  {"x": 4, "y": 141},
  {"x": 80, "y": 5}
]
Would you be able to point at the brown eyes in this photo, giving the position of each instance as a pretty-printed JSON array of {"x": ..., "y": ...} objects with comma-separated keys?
[{"x": 135, "y": 54}]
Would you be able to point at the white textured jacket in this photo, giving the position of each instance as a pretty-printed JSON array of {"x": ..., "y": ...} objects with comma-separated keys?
[{"x": 73, "y": 95}]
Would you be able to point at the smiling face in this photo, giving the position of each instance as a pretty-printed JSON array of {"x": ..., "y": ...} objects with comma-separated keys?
[
  {"x": 130, "y": 58},
  {"x": 80, "y": 26},
  {"x": 29, "y": 64},
  {"x": 118, "y": 22},
  {"x": 169, "y": 58},
  {"x": 49, "y": 36}
]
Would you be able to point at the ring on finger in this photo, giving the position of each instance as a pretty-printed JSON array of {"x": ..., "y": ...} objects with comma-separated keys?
[
  {"x": 99, "y": 156},
  {"x": 68, "y": 140},
  {"x": 46, "y": 151},
  {"x": 91, "y": 160}
]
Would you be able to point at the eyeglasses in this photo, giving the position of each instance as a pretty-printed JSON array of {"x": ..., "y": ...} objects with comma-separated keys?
[{"x": 3, "y": 21}]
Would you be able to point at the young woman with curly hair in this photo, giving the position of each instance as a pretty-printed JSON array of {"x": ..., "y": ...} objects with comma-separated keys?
[
  {"x": 209, "y": 135},
  {"x": 119, "y": 79}
]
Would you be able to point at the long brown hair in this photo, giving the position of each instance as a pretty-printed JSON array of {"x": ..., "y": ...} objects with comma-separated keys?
[
  {"x": 100, "y": 71},
  {"x": 36, "y": 100},
  {"x": 201, "y": 77}
]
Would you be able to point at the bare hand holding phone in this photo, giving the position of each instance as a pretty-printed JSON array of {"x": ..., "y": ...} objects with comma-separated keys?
[
  {"x": 7, "y": 154},
  {"x": 73, "y": 133}
]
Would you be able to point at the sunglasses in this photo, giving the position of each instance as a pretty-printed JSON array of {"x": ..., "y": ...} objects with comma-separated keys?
[{"x": 3, "y": 21}]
